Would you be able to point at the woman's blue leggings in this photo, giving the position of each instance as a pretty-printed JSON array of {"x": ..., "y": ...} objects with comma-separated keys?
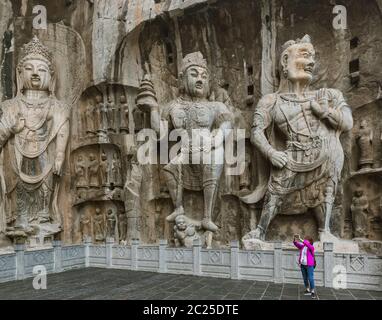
[{"x": 308, "y": 276}]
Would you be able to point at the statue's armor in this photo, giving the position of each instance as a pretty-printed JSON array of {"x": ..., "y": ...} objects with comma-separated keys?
[
  {"x": 312, "y": 149},
  {"x": 189, "y": 115}
]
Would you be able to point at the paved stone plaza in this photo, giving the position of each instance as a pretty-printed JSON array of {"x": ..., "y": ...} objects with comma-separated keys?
[{"x": 97, "y": 283}]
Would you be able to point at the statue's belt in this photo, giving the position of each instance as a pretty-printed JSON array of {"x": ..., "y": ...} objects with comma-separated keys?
[{"x": 305, "y": 147}]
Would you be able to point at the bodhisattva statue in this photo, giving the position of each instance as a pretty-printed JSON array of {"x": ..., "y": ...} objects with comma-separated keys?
[
  {"x": 34, "y": 131},
  {"x": 193, "y": 113},
  {"x": 308, "y": 166}
]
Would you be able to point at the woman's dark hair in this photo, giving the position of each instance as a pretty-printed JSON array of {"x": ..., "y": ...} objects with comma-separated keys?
[{"x": 310, "y": 239}]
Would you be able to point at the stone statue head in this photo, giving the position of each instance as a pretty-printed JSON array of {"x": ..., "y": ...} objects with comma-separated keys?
[
  {"x": 180, "y": 222},
  {"x": 98, "y": 211},
  {"x": 35, "y": 70},
  {"x": 358, "y": 192},
  {"x": 297, "y": 60},
  {"x": 103, "y": 156},
  {"x": 98, "y": 98},
  {"x": 364, "y": 124},
  {"x": 194, "y": 76},
  {"x": 92, "y": 157}
]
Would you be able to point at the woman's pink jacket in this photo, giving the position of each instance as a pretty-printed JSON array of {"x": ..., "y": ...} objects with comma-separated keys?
[{"x": 310, "y": 251}]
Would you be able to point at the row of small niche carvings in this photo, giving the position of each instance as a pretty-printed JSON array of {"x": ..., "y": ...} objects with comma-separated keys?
[
  {"x": 110, "y": 222},
  {"x": 95, "y": 170},
  {"x": 103, "y": 115}
]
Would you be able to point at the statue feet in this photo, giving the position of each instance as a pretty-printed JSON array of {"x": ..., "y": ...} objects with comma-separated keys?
[
  {"x": 258, "y": 234},
  {"x": 207, "y": 224},
  {"x": 327, "y": 236},
  {"x": 178, "y": 211}
]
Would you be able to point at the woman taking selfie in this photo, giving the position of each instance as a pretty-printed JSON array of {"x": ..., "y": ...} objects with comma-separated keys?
[{"x": 307, "y": 262}]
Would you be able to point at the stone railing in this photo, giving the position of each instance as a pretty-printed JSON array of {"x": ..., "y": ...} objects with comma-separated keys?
[{"x": 280, "y": 265}]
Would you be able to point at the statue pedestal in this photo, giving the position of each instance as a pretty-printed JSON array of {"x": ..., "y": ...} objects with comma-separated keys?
[
  {"x": 43, "y": 233},
  {"x": 256, "y": 244},
  {"x": 339, "y": 246},
  {"x": 370, "y": 246}
]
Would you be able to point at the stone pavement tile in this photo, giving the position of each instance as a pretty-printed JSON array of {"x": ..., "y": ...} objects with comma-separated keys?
[
  {"x": 260, "y": 285},
  {"x": 324, "y": 291},
  {"x": 289, "y": 297},
  {"x": 290, "y": 292},
  {"x": 345, "y": 297},
  {"x": 375, "y": 294},
  {"x": 326, "y": 297},
  {"x": 98, "y": 283},
  {"x": 273, "y": 292},
  {"x": 291, "y": 285},
  {"x": 233, "y": 296},
  {"x": 252, "y": 296},
  {"x": 215, "y": 297},
  {"x": 256, "y": 290},
  {"x": 240, "y": 291},
  {"x": 157, "y": 296},
  {"x": 174, "y": 297}
]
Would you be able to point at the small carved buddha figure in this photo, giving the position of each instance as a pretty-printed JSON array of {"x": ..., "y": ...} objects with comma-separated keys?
[
  {"x": 99, "y": 225},
  {"x": 34, "y": 131},
  {"x": 116, "y": 169},
  {"x": 104, "y": 169},
  {"x": 122, "y": 225},
  {"x": 364, "y": 140},
  {"x": 111, "y": 223},
  {"x": 104, "y": 117},
  {"x": 85, "y": 226},
  {"x": 80, "y": 170},
  {"x": 98, "y": 114},
  {"x": 184, "y": 233},
  {"x": 111, "y": 113},
  {"x": 93, "y": 169},
  {"x": 359, "y": 208},
  {"x": 90, "y": 127},
  {"x": 124, "y": 115}
]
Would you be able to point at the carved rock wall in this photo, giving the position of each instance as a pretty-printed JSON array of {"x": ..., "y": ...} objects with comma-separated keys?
[{"x": 103, "y": 48}]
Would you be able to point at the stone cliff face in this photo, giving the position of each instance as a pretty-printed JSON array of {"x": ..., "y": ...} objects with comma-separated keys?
[{"x": 103, "y": 49}]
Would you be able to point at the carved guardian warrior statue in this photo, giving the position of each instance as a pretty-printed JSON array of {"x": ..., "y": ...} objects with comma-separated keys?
[
  {"x": 307, "y": 157},
  {"x": 201, "y": 121},
  {"x": 34, "y": 129}
]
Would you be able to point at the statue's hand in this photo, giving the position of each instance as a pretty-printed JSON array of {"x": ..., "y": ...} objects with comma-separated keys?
[
  {"x": 19, "y": 125},
  {"x": 279, "y": 159},
  {"x": 320, "y": 106},
  {"x": 58, "y": 164}
]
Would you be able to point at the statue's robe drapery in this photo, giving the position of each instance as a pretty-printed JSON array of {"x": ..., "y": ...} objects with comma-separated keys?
[{"x": 29, "y": 157}]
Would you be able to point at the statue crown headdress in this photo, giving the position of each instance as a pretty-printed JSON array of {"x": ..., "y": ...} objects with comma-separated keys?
[
  {"x": 304, "y": 39},
  {"x": 193, "y": 59},
  {"x": 36, "y": 48}
]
